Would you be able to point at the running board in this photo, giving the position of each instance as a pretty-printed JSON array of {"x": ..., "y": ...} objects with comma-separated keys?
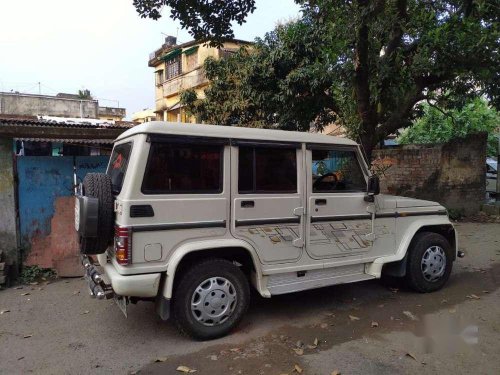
[{"x": 304, "y": 280}]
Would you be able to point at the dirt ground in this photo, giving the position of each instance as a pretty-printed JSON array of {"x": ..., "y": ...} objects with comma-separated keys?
[{"x": 370, "y": 327}]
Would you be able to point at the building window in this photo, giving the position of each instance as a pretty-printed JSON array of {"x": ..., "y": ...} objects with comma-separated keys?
[
  {"x": 336, "y": 171},
  {"x": 174, "y": 67},
  {"x": 267, "y": 170},
  {"x": 176, "y": 168},
  {"x": 192, "y": 61},
  {"x": 159, "y": 77}
]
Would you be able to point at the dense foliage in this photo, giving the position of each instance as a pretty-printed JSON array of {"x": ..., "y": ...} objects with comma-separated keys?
[
  {"x": 281, "y": 81},
  {"x": 437, "y": 126},
  {"x": 368, "y": 65},
  {"x": 205, "y": 20}
]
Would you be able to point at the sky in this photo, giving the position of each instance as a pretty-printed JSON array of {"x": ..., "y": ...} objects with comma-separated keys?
[{"x": 99, "y": 45}]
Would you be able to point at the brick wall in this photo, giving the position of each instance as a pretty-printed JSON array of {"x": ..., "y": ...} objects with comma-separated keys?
[{"x": 452, "y": 173}]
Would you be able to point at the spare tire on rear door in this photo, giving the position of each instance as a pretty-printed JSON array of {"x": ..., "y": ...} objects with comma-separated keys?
[{"x": 98, "y": 185}]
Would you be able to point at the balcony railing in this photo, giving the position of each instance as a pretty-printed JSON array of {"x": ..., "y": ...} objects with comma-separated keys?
[{"x": 185, "y": 81}]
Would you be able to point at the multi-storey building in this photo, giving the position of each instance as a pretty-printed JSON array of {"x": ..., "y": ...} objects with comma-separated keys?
[{"x": 179, "y": 67}]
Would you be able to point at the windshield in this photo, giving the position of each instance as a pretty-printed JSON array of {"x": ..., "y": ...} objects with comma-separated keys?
[{"x": 118, "y": 165}]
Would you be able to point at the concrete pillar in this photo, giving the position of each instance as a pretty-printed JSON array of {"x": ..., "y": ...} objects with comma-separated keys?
[{"x": 8, "y": 234}]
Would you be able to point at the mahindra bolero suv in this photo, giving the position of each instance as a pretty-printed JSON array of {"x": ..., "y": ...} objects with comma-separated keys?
[{"x": 191, "y": 217}]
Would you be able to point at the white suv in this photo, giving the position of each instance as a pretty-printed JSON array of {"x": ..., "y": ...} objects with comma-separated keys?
[{"x": 191, "y": 216}]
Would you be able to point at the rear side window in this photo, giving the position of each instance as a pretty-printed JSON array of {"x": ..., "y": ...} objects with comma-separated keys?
[
  {"x": 267, "y": 170},
  {"x": 118, "y": 165},
  {"x": 177, "y": 168}
]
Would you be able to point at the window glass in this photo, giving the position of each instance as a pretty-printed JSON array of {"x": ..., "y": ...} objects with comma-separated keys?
[
  {"x": 118, "y": 165},
  {"x": 335, "y": 170},
  {"x": 267, "y": 170},
  {"x": 174, "y": 67},
  {"x": 175, "y": 168}
]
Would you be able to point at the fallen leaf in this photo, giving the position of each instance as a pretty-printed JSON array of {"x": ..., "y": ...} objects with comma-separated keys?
[
  {"x": 299, "y": 344},
  {"x": 311, "y": 347},
  {"x": 335, "y": 372},
  {"x": 473, "y": 296},
  {"x": 20, "y": 358},
  {"x": 444, "y": 301},
  {"x": 234, "y": 350},
  {"x": 374, "y": 324},
  {"x": 412, "y": 356},
  {"x": 410, "y": 315},
  {"x": 4, "y": 311},
  {"x": 76, "y": 292},
  {"x": 298, "y": 369},
  {"x": 452, "y": 311},
  {"x": 185, "y": 369},
  {"x": 27, "y": 336},
  {"x": 485, "y": 291},
  {"x": 298, "y": 351},
  {"x": 315, "y": 342},
  {"x": 161, "y": 359},
  {"x": 85, "y": 312},
  {"x": 25, "y": 294},
  {"x": 353, "y": 318}
]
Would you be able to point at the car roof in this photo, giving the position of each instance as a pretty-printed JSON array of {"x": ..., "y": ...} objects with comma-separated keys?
[{"x": 232, "y": 132}]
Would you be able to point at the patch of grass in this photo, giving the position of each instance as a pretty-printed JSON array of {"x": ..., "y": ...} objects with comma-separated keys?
[{"x": 31, "y": 274}]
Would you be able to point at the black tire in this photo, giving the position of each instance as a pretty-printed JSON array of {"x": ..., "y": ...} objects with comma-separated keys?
[
  {"x": 187, "y": 287},
  {"x": 415, "y": 270},
  {"x": 98, "y": 185}
]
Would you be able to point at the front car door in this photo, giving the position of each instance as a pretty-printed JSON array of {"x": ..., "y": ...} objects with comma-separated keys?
[
  {"x": 267, "y": 192},
  {"x": 339, "y": 220}
]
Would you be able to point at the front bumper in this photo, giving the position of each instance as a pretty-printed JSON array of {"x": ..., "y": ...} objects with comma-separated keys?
[{"x": 109, "y": 283}]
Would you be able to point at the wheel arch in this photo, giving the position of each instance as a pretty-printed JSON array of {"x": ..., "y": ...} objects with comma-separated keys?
[
  {"x": 434, "y": 224},
  {"x": 234, "y": 250},
  {"x": 398, "y": 268}
]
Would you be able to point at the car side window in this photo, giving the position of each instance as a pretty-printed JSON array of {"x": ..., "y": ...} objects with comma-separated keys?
[
  {"x": 267, "y": 170},
  {"x": 180, "y": 168},
  {"x": 336, "y": 171}
]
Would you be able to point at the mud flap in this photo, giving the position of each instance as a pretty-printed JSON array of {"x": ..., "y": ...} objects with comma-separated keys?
[{"x": 122, "y": 303}]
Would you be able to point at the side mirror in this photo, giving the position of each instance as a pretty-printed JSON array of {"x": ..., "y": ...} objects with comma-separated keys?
[{"x": 373, "y": 188}]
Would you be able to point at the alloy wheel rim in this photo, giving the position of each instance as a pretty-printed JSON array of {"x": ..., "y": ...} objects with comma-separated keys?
[
  {"x": 433, "y": 264},
  {"x": 213, "y": 301}
]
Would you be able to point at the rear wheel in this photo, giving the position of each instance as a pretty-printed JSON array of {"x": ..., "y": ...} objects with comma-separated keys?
[
  {"x": 98, "y": 185},
  {"x": 430, "y": 261},
  {"x": 211, "y": 299}
]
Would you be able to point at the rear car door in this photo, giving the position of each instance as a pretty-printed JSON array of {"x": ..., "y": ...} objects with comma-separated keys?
[{"x": 267, "y": 199}]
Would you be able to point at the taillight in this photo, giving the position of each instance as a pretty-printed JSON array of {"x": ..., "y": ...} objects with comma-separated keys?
[{"x": 123, "y": 245}]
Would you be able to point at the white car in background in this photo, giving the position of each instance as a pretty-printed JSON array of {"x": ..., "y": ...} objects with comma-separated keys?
[{"x": 491, "y": 176}]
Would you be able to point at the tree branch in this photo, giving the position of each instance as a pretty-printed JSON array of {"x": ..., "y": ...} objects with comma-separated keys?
[{"x": 447, "y": 114}]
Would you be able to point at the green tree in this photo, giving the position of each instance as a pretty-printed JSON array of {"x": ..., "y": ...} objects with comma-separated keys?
[
  {"x": 85, "y": 94},
  {"x": 280, "y": 82},
  {"x": 384, "y": 59},
  {"x": 437, "y": 126}
]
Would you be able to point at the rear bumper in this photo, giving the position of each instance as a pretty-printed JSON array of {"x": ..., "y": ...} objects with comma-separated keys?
[{"x": 143, "y": 285}]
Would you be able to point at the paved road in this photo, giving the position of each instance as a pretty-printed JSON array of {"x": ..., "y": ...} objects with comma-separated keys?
[{"x": 368, "y": 327}]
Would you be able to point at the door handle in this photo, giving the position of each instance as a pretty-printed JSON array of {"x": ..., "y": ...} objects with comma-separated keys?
[
  {"x": 320, "y": 202},
  {"x": 247, "y": 204}
]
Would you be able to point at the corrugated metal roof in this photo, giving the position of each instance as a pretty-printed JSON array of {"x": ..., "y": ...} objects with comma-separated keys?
[
  {"x": 33, "y": 121},
  {"x": 67, "y": 140}
]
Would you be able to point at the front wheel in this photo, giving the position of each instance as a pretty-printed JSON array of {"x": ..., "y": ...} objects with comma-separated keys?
[
  {"x": 211, "y": 299},
  {"x": 430, "y": 260}
]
